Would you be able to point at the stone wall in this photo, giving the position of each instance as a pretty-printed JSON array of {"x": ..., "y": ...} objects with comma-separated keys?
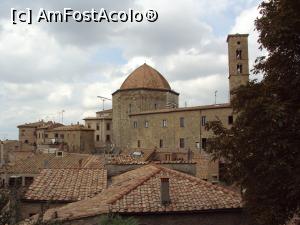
[
  {"x": 126, "y": 102},
  {"x": 77, "y": 141},
  {"x": 116, "y": 169},
  {"x": 238, "y": 43},
  {"x": 103, "y": 131},
  {"x": 27, "y": 138}
]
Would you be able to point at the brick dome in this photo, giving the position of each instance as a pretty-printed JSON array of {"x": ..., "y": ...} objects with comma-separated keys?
[{"x": 145, "y": 77}]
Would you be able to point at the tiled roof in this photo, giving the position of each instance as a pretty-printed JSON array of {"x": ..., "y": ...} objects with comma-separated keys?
[
  {"x": 138, "y": 191},
  {"x": 50, "y": 125},
  {"x": 37, "y": 162},
  {"x": 34, "y": 124},
  {"x": 66, "y": 184},
  {"x": 194, "y": 108},
  {"x": 145, "y": 77},
  {"x": 125, "y": 160}
]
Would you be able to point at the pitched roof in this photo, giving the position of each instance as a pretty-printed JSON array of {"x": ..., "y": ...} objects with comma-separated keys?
[
  {"x": 66, "y": 184},
  {"x": 138, "y": 191},
  {"x": 37, "y": 162}
]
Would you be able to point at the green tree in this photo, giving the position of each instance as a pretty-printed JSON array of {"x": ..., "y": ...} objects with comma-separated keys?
[
  {"x": 262, "y": 149},
  {"x": 117, "y": 220}
]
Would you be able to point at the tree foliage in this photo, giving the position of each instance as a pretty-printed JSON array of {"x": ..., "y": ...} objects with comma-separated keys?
[{"x": 262, "y": 149}]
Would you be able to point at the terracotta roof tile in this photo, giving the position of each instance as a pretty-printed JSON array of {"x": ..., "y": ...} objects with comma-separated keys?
[
  {"x": 35, "y": 163},
  {"x": 138, "y": 191},
  {"x": 145, "y": 77},
  {"x": 67, "y": 184}
]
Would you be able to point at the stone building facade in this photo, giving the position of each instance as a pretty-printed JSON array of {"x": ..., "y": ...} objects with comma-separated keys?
[
  {"x": 73, "y": 138},
  {"x": 28, "y": 135},
  {"x": 49, "y": 136},
  {"x": 102, "y": 125}
]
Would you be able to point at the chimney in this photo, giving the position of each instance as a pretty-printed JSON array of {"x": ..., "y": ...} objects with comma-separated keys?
[
  {"x": 46, "y": 164},
  {"x": 80, "y": 163},
  {"x": 165, "y": 191}
]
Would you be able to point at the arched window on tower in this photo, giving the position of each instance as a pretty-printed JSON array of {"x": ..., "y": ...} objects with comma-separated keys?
[
  {"x": 129, "y": 110},
  {"x": 238, "y": 54},
  {"x": 239, "y": 68}
]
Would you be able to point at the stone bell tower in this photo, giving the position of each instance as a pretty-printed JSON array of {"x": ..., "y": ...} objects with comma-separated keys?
[{"x": 238, "y": 61}]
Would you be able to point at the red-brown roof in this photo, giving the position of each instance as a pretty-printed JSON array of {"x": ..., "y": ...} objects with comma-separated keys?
[
  {"x": 138, "y": 191},
  {"x": 66, "y": 184},
  {"x": 145, "y": 77},
  {"x": 35, "y": 163}
]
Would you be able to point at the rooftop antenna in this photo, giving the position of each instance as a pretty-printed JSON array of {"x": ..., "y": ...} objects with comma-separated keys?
[
  {"x": 216, "y": 96},
  {"x": 103, "y": 100},
  {"x": 62, "y": 116}
]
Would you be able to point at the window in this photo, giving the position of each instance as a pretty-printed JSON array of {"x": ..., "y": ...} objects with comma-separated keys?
[
  {"x": 168, "y": 157},
  {"x": 181, "y": 142},
  {"x": 155, "y": 106},
  {"x": 97, "y": 127},
  {"x": 89, "y": 125},
  {"x": 239, "y": 68},
  {"x": 230, "y": 120},
  {"x": 138, "y": 143},
  {"x": 238, "y": 42},
  {"x": 39, "y": 135},
  {"x": 108, "y": 126},
  {"x": 198, "y": 145},
  {"x": 46, "y": 135},
  {"x": 26, "y": 141},
  {"x": 203, "y": 120},
  {"x": 56, "y": 135},
  {"x": 129, "y": 110},
  {"x": 97, "y": 137},
  {"x": 62, "y": 136},
  {"x": 135, "y": 124},
  {"x": 164, "y": 123},
  {"x": 146, "y": 124},
  {"x": 107, "y": 138},
  {"x": 238, "y": 54},
  {"x": 161, "y": 143},
  {"x": 181, "y": 121},
  {"x": 203, "y": 143}
]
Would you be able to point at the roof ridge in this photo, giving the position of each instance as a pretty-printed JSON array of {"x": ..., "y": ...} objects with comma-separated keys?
[
  {"x": 131, "y": 187},
  {"x": 90, "y": 158}
]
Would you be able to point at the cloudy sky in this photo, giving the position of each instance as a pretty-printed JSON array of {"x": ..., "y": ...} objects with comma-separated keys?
[{"x": 46, "y": 68}]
